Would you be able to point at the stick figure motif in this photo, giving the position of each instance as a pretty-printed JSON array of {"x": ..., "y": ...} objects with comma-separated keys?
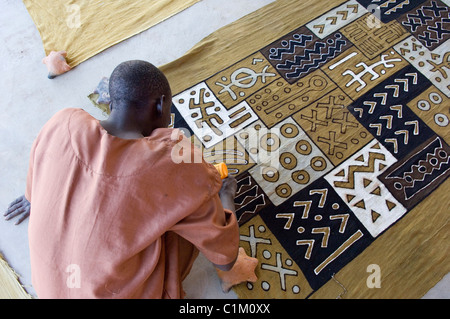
[
  {"x": 243, "y": 78},
  {"x": 369, "y": 69},
  {"x": 204, "y": 117},
  {"x": 439, "y": 67}
]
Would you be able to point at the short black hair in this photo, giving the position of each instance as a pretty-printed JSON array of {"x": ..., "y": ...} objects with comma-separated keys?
[{"x": 134, "y": 82}]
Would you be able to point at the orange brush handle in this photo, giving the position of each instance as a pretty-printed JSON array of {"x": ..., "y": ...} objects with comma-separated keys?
[{"x": 222, "y": 169}]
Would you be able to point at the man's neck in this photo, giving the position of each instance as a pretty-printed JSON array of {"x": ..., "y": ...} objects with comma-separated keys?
[{"x": 122, "y": 124}]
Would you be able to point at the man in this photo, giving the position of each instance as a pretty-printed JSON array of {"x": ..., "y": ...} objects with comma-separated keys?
[{"x": 112, "y": 215}]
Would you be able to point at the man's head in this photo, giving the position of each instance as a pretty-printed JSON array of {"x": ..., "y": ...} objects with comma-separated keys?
[{"x": 141, "y": 88}]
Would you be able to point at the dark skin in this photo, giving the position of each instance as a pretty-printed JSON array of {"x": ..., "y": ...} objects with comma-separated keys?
[
  {"x": 18, "y": 208},
  {"x": 129, "y": 121}
]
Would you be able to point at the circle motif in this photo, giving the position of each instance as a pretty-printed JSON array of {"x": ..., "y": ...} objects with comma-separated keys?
[
  {"x": 270, "y": 142},
  {"x": 441, "y": 119},
  {"x": 301, "y": 177},
  {"x": 270, "y": 174},
  {"x": 289, "y": 130},
  {"x": 435, "y": 98},
  {"x": 423, "y": 105},
  {"x": 318, "y": 163},
  {"x": 303, "y": 147},
  {"x": 398, "y": 186},
  {"x": 288, "y": 160},
  {"x": 284, "y": 190}
]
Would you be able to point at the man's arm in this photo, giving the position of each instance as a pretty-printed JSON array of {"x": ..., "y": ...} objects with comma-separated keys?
[
  {"x": 227, "y": 267},
  {"x": 227, "y": 194},
  {"x": 19, "y": 207},
  {"x": 243, "y": 267},
  {"x": 213, "y": 226}
]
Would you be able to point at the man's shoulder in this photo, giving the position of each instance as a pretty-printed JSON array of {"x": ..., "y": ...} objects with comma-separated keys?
[
  {"x": 57, "y": 125},
  {"x": 62, "y": 116},
  {"x": 66, "y": 113}
]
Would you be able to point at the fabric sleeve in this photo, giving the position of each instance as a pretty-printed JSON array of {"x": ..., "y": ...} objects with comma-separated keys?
[
  {"x": 213, "y": 230},
  {"x": 28, "y": 186},
  {"x": 49, "y": 127}
]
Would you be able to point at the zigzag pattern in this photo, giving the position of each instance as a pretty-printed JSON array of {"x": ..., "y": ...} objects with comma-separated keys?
[
  {"x": 397, "y": 7},
  {"x": 298, "y": 60},
  {"x": 369, "y": 168},
  {"x": 317, "y": 62},
  {"x": 250, "y": 208},
  {"x": 250, "y": 193},
  {"x": 277, "y": 53},
  {"x": 247, "y": 201}
]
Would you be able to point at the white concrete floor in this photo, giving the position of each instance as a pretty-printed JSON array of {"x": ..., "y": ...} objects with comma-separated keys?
[{"x": 28, "y": 99}]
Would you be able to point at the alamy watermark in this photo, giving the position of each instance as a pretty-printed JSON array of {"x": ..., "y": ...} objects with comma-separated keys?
[
  {"x": 374, "y": 279},
  {"x": 263, "y": 144},
  {"x": 73, "y": 280},
  {"x": 73, "y": 18},
  {"x": 374, "y": 19}
]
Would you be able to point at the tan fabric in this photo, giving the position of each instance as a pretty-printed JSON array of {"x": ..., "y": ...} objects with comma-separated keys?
[
  {"x": 84, "y": 28},
  {"x": 10, "y": 287},
  {"x": 115, "y": 218}
]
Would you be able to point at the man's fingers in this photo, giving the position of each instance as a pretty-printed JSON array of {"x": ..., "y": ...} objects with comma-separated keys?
[
  {"x": 16, "y": 204},
  {"x": 13, "y": 207},
  {"x": 20, "y": 210},
  {"x": 22, "y": 218},
  {"x": 17, "y": 201}
]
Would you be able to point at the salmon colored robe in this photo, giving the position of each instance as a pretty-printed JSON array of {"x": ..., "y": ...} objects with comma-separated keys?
[{"x": 116, "y": 218}]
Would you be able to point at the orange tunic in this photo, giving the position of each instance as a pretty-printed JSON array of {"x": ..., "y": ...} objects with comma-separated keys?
[{"x": 115, "y": 218}]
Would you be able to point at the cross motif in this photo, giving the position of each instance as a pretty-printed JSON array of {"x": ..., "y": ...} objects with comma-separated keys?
[
  {"x": 331, "y": 141},
  {"x": 254, "y": 241},
  {"x": 436, "y": 10},
  {"x": 314, "y": 120},
  {"x": 440, "y": 66},
  {"x": 345, "y": 122},
  {"x": 330, "y": 106},
  {"x": 282, "y": 272},
  {"x": 423, "y": 18},
  {"x": 428, "y": 39}
]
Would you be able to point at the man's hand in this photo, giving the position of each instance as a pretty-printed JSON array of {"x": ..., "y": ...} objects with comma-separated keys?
[
  {"x": 228, "y": 192},
  {"x": 20, "y": 207},
  {"x": 242, "y": 271}
]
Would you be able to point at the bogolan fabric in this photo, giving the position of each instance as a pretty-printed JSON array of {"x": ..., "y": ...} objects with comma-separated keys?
[
  {"x": 334, "y": 118},
  {"x": 83, "y": 28}
]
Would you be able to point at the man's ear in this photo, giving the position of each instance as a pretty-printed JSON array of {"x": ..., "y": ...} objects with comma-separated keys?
[{"x": 160, "y": 105}]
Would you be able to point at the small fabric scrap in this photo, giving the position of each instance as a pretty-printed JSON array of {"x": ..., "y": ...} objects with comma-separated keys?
[{"x": 10, "y": 288}]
